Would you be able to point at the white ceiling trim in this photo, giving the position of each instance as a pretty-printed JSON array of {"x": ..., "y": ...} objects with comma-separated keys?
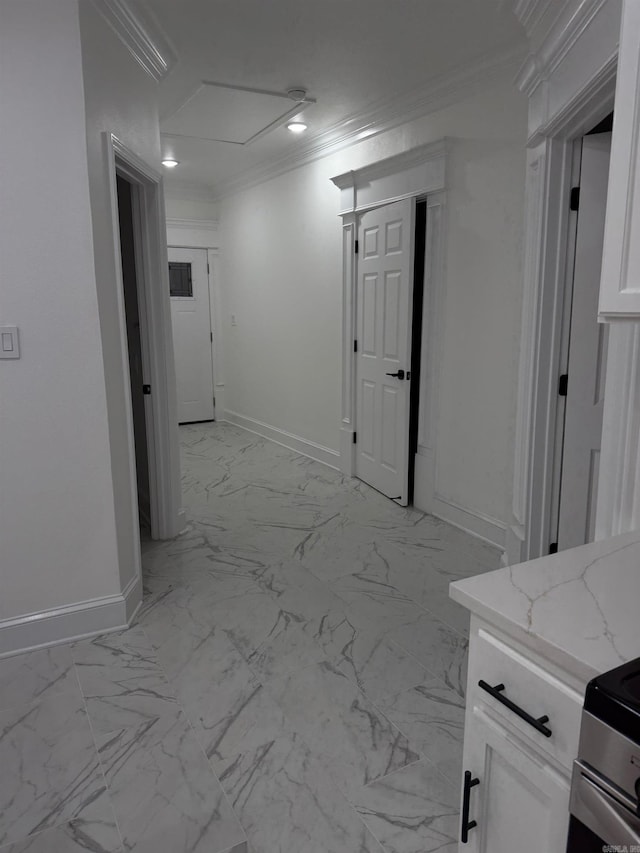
[
  {"x": 530, "y": 12},
  {"x": 191, "y": 224},
  {"x": 439, "y": 93},
  {"x": 418, "y": 171},
  {"x": 392, "y": 165},
  {"x": 568, "y": 27},
  {"x": 142, "y": 37}
]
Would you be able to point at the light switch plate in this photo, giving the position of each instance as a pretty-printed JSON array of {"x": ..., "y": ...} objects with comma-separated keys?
[{"x": 9, "y": 342}]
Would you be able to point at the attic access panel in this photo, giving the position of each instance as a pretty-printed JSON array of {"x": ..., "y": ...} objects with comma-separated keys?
[{"x": 233, "y": 114}]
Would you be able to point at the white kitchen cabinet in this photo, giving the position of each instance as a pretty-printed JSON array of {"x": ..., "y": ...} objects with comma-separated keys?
[
  {"x": 521, "y": 800},
  {"x": 620, "y": 281},
  {"x": 520, "y": 803},
  {"x": 539, "y": 631}
]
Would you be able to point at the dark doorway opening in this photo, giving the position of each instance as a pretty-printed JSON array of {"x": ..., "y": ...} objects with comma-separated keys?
[
  {"x": 416, "y": 337},
  {"x": 134, "y": 345}
]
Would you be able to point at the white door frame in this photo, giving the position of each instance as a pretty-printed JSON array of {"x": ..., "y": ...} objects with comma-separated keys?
[
  {"x": 565, "y": 102},
  {"x": 203, "y": 234},
  {"x": 548, "y": 252},
  {"x": 152, "y": 273},
  {"x": 563, "y": 517},
  {"x": 418, "y": 172},
  {"x": 213, "y": 338}
]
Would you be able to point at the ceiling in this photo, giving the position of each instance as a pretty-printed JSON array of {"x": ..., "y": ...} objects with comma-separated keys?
[{"x": 359, "y": 59}]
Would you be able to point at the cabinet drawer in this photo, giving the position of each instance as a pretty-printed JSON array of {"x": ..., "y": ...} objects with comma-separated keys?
[{"x": 532, "y": 689}]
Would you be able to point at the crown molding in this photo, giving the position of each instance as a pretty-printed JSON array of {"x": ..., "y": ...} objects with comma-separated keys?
[
  {"x": 530, "y": 12},
  {"x": 392, "y": 165},
  {"x": 384, "y": 115},
  {"x": 573, "y": 20},
  {"x": 140, "y": 34},
  {"x": 418, "y": 171},
  {"x": 191, "y": 224}
]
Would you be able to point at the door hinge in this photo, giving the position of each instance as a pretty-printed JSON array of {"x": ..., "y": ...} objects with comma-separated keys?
[
  {"x": 563, "y": 384},
  {"x": 574, "y": 202},
  {"x": 553, "y": 548},
  {"x": 357, "y": 246},
  {"x": 354, "y": 437},
  {"x": 146, "y": 389},
  {"x": 355, "y": 346},
  {"x": 214, "y": 401},
  {"x": 208, "y": 270},
  {"x": 211, "y": 336}
]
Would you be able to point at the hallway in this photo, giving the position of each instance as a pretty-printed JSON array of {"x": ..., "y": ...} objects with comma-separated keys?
[{"x": 299, "y": 636}]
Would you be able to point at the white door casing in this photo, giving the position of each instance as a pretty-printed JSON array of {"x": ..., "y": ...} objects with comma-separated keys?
[
  {"x": 419, "y": 172},
  {"x": 191, "y": 321},
  {"x": 384, "y": 311},
  {"x": 620, "y": 282},
  {"x": 569, "y": 79},
  {"x": 587, "y": 354}
]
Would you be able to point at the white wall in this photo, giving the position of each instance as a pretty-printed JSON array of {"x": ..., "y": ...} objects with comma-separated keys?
[
  {"x": 57, "y": 525},
  {"x": 121, "y": 99},
  {"x": 281, "y": 273},
  {"x": 181, "y": 208}
]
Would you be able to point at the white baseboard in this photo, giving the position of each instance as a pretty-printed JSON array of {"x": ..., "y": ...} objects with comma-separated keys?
[
  {"x": 286, "y": 439},
  {"x": 482, "y": 526},
  {"x": 71, "y": 622}
]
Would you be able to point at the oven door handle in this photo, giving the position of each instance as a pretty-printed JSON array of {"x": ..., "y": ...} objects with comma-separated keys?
[{"x": 602, "y": 813}]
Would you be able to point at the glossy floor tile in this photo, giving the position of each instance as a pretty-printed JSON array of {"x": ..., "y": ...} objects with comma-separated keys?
[
  {"x": 287, "y": 802},
  {"x": 432, "y": 717},
  {"x": 121, "y": 681},
  {"x": 164, "y": 793},
  {"x": 35, "y": 676},
  {"x": 294, "y": 679},
  {"x": 412, "y": 811},
  {"x": 93, "y": 829},
  {"x": 357, "y": 743},
  {"x": 50, "y": 769}
]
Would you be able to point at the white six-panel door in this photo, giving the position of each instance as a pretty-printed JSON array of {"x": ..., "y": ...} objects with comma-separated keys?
[
  {"x": 384, "y": 310},
  {"x": 191, "y": 322},
  {"x": 587, "y": 354}
]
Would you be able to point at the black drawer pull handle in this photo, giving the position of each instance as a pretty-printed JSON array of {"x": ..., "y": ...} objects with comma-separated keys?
[
  {"x": 467, "y": 824},
  {"x": 537, "y": 723}
]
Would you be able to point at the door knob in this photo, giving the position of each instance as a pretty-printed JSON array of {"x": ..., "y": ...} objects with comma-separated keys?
[{"x": 399, "y": 374}]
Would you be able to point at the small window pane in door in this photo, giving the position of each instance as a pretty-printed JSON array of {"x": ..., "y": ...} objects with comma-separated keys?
[{"x": 180, "y": 283}]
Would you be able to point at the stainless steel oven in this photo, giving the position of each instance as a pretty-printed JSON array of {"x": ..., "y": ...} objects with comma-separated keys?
[{"x": 605, "y": 789}]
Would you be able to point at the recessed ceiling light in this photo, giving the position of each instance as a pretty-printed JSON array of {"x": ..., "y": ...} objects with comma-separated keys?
[
  {"x": 170, "y": 163},
  {"x": 296, "y": 126}
]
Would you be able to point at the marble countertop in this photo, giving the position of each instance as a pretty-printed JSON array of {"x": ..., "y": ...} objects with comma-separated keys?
[{"x": 579, "y": 608}]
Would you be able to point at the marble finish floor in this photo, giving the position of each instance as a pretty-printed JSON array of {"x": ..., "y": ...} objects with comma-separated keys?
[{"x": 293, "y": 683}]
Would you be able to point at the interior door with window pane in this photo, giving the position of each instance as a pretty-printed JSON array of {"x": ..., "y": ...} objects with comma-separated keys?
[
  {"x": 383, "y": 360},
  {"x": 191, "y": 321}
]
